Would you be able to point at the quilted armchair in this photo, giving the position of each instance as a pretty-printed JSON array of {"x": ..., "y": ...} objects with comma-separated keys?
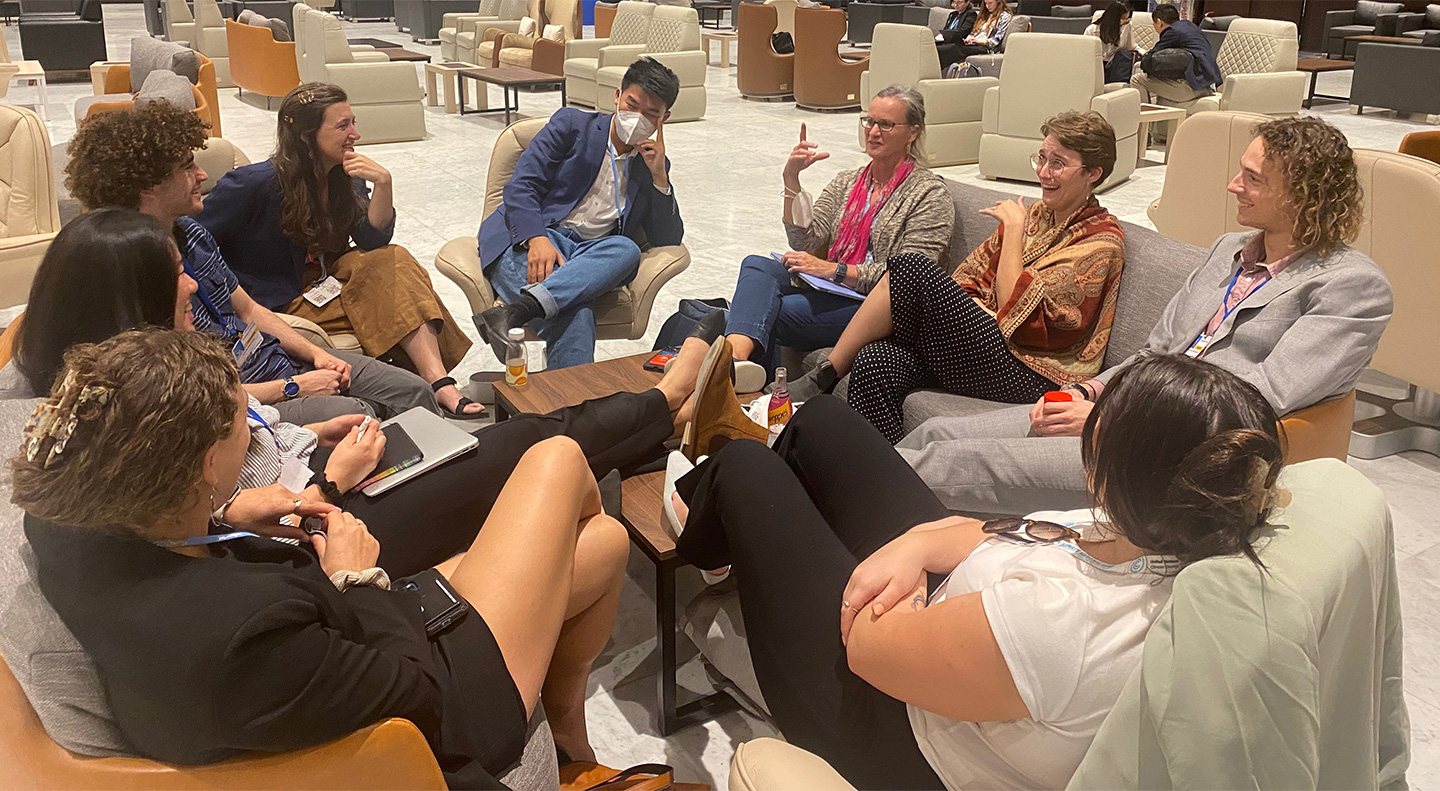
[
  {"x": 674, "y": 40},
  {"x": 905, "y": 55},
  {"x": 388, "y": 101},
  {"x": 628, "y": 35},
  {"x": 450, "y": 26},
  {"x": 621, "y": 314},
  {"x": 31, "y": 215},
  {"x": 1257, "y": 61},
  {"x": 471, "y": 33}
]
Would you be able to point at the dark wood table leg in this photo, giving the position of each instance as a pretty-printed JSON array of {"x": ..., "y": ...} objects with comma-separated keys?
[{"x": 674, "y": 716}]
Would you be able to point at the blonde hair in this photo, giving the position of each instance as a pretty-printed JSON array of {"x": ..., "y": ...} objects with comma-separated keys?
[
  {"x": 914, "y": 102},
  {"x": 1321, "y": 178},
  {"x": 121, "y": 441}
]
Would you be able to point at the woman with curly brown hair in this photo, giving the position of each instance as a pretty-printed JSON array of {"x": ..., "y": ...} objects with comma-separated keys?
[{"x": 287, "y": 226}]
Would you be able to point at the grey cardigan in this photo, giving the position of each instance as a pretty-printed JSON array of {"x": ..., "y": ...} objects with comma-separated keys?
[
  {"x": 917, "y": 219},
  {"x": 1302, "y": 338}
]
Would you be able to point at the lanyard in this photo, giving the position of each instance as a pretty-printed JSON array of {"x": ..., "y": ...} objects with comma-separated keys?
[
  {"x": 215, "y": 315},
  {"x": 265, "y": 425},
  {"x": 1231, "y": 289},
  {"x": 196, "y": 541},
  {"x": 615, "y": 179}
]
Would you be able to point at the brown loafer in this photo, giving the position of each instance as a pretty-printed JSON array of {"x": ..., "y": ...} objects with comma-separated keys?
[{"x": 717, "y": 414}]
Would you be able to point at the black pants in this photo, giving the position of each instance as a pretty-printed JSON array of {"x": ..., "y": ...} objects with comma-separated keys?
[
  {"x": 956, "y": 53},
  {"x": 429, "y": 519},
  {"x": 795, "y": 523},
  {"x": 941, "y": 338}
]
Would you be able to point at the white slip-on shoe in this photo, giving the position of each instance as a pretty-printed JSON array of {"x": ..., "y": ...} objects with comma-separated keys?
[{"x": 676, "y": 467}]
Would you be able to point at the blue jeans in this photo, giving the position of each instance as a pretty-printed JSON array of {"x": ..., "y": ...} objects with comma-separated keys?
[
  {"x": 592, "y": 269},
  {"x": 774, "y": 313}
]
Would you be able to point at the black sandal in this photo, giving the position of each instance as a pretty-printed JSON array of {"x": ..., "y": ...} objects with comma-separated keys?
[{"x": 435, "y": 387}]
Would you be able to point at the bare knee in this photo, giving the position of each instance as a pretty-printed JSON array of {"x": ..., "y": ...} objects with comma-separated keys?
[
  {"x": 556, "y": 455},
  {"x": 606, "y": 545}
]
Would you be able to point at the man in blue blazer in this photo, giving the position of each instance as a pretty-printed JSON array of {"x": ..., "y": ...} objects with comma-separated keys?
[
  {"x": 587, "y": 194},
  {"x": 1201, "y": 77}
]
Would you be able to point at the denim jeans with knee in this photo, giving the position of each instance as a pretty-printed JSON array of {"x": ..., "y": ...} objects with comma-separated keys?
[
  {"x": 774, "y": 313},
  {"x": 592, "y": 268}
]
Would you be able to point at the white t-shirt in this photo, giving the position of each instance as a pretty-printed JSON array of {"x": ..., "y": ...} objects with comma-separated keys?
[{"x": 1071, "y": 630}]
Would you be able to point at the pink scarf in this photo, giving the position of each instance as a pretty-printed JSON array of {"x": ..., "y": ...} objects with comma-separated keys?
[{"x": 852, "y": 238}]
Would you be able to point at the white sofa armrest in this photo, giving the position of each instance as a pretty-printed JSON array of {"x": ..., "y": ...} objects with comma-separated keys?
[
  {"x": 452, "y": 19},
  {"x": 369, "y": 57},
  {"x": 19, "y": 258},
  {"x": 308, "y": 329},
  {"x": 620, "y": 54},
  {"x": 688, "y": 66},
  {"x": 657, "y": 266},
  {"x": 585, "y": 47},
  {"x": 1278, "y": 93},
  {"x": 376, "y": 83},
  {"x": 1122, "y": 109},
  {"x": 990, "y": 112},
  {"x": 954, "y": 101},
  {"x": 481, "y": 27}
]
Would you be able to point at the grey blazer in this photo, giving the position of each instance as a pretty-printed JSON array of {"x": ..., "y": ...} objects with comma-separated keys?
[{"x": 1321, "y": 320}]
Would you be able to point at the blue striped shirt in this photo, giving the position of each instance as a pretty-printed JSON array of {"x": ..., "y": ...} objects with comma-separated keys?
[{"x": 202, "y": 259}]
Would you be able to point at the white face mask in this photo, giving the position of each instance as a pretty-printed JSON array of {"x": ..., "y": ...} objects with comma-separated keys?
[{"x": 632, "y": 127}]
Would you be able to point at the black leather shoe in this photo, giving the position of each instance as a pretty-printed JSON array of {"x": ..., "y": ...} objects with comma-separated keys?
[
  {"x": 493, "y": 326},
  {"x": 711, "y": 327}
]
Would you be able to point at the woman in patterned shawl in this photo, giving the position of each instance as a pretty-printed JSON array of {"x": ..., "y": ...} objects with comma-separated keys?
[{"x": 1027, "y": 312}]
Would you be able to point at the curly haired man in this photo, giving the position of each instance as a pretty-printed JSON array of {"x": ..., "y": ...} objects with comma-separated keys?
[
  {"x": 145, "y": 159},
  {"x": 1290, "y": 308}
]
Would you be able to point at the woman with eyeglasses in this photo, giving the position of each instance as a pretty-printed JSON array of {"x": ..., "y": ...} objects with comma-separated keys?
[
  {"x": 912, "y": 648},
  {"x": 1119, "y": 52},
  {"x": 1028, "y": 312},
  {"x": 891, "y": 206}
]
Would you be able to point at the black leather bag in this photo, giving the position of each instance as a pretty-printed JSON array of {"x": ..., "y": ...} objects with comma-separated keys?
[
  {"x": 1167, "y": 64},
  {"x": 680, "y": 324},
  {"x": 782, "y": 43}
]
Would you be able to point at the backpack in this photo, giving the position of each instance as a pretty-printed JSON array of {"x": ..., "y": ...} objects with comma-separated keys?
[{"x": 680, "y": 324}]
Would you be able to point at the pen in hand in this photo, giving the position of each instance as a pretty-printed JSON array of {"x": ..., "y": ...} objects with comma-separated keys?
[{"x": 364, "y": 424}]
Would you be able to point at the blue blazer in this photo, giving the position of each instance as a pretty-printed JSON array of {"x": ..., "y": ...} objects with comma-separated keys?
[
  {"x": 1203, "y": 72},
  {"x": 242, "y": 212},
  {"x": 556, "y": 171}
]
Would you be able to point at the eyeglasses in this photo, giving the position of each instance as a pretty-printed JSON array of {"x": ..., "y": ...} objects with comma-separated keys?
[
  {"x": 885, "y": 126},
  {"x": 1029, "y": 531},
  {"x": 1053, "y": 165}
]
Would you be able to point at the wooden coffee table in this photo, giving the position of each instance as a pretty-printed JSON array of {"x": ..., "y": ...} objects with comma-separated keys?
[
  {"x": 445, "y": 73},
  {"x": 510, "y": 79},
  {"x": 641, "y": 512},
  {"x": 397, "y": 54},
  {"x": 1345, "y": 48},
  {"x": 1314, "y": 67},
  {"x": 722, "y": 36},
  {"x": 704, "y": 6},
  {"x": 377, "y": 43},
  {"x": 1155, "y": 114}
]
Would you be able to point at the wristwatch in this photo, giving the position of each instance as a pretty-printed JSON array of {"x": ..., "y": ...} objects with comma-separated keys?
[
  {"x": 292, "y": 389},
  {"x": 841, "y": 270},
  {"x": 328, "y": 490}
]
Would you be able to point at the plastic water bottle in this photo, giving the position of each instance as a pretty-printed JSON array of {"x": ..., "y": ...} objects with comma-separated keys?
[
  {"x": 780, "y": 408},
  {"x": 517, "y": 363}
]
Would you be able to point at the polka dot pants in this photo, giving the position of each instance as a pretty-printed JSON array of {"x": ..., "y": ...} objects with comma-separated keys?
[{"x": 942, "y": 338}]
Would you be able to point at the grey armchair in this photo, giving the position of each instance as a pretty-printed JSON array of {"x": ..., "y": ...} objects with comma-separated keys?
[
  {"x": 1414, "y": 25},
  {"x": 424, "y": 18},
  {"x": 64, "y": 42},
  {"x": 1397, "y": 77},
  {"x": 864, "y": 16},
  {"x": 1214, "y": 28},
  {"x": 1071, "y": 19},
  {"x": 1361, "y": 22}
]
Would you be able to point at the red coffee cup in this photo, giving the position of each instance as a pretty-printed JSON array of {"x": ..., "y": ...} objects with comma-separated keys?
[{"x": 1058, "y": 395}]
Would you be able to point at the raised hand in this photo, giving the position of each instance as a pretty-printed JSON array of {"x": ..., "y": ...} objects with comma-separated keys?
[
  {"x": 803, "y": 155},
  {"x": 653, "y": 152},
  {"x": 364, "y": 167}
]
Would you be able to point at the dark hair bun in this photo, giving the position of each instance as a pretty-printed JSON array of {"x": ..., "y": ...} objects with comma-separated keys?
[{"x": 1220, "y": 495}]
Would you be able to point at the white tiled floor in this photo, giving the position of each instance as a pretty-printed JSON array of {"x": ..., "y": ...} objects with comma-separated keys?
[{"x": 726, "y": 174}]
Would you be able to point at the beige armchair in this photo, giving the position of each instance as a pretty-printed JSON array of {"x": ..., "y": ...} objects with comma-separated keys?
[
  {"x": 471, "y": 33},
  {"x": 487, "y": 50},
  {"x": 622, "y": 314},
  {"x": 1142, "y": 31},
  {"x": 30, "y": 217},
  {"x": 179, "y": 23},
  {"x": 1044, "y": 74},
  {"x": 1257, "y": 61},
  {"x": 209, "y": 39},
  {"x": 450, "y": 26},
  {"x": 628, "y": 36},
  {"x": 533, "y": 52},
  {"x": 674, "y": 40},
  {"x": 388, "y": 101},
  {"x": 1193, "y": 205},
  {"x": 905, "y": 55}
]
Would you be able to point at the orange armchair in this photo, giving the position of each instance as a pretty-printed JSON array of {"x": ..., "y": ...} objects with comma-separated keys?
[
  {"x": 207, "y": 95},
  {"x": 604, "y": 20},
  {"x": 1321, "y": 431},
  {"x": 259, "y": 63},
  {"x": 761, "y": 72},
  {"x": 388, "y": 755},
  {"x": 824, "y": 80}
]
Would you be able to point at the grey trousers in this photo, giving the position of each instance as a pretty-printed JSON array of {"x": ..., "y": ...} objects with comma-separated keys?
[
  {"x": 1176, "y": 91},
  {"x": 376, "y": 389},
  {"x": 991, "y": 464}
]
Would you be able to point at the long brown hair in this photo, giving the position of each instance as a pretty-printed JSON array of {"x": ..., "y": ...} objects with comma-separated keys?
[
  {"x": 321, "y": 228},
  {"x": 987, "y": 21}
]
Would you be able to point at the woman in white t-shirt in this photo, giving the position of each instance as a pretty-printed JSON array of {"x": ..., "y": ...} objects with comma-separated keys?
[{"x": 999, "y": 674}]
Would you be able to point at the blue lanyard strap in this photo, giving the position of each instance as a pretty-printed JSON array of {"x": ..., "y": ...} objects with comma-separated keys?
[
  {"x": 215, "y": 314},
  {"x": 615, "y": 178},
  {"x": 1231, "y": 289},
  {"x": 195, "y": 541},
  {"x": 255, "y": 416}
]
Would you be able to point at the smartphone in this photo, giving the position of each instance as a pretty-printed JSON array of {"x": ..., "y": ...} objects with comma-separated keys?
[
  {"x": 439, "y": 603},
  {"x": 657, "y": 363}
]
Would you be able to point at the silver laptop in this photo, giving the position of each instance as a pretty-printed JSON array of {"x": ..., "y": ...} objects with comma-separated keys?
[{"x": 437, "y": 440}]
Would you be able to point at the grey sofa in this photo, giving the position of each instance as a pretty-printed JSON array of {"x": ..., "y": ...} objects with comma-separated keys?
[
  {"x": 864, "y": 16},
  {"x": 1400, "y": 77},
  {"x": 366, "y": 9},
  {"x": 1155, "y": 268},
  {"x": 1359, "y": 22},
  {"x": 1215, "y": 28},
  {"x": 1416, "y": 25},
  {"x": 423, "y": 18},
  {"x": 1070, "y": 19}
]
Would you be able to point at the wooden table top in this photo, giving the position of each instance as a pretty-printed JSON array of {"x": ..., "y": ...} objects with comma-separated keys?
[
  {"x": 1323, "y": 64},
  {"x": 1385, "y": 39},
  {"x": 1152, "y": 111},
  {"x": 377, "y": 43},
  {"x": 405, "y": 55},
  {"x": 512, "y": 75}
]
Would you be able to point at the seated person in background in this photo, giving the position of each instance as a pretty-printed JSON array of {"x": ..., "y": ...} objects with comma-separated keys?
[
  {"x": 145, "y": 159},
  {"x": 274, "y": 647},
  {"x": 286, "y": 225},
  {"x": 1113, "y": 30},
  {"x": 991, "y": 26},
  {"x": 1203, "y": 74},
  {"x": 587, "y": 191},
  {"x": 957, "y": 28},
  {"x": 915, "y": 649},
  {"x": 131, "y": 260},
  {"x": 1302, "y": 339},
  {"x": 1027, "y": 311},
  {"x": 864, "y": 217}
]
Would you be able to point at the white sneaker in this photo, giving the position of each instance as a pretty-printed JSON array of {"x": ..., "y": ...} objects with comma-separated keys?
[{"x": 676, "y": 467}]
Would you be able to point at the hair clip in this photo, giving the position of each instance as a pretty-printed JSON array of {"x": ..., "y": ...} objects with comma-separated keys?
[{"x": 56, "y": 422}]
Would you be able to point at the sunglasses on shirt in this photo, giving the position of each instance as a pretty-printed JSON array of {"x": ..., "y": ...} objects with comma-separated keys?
[{"x": 1029, "y": 531}]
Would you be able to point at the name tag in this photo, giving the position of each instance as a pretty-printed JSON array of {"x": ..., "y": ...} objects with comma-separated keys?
[
  {"x": 248, "y": 342},
  {"x": 323, "y": 292},
  {"x": 1200, "y": 345}
]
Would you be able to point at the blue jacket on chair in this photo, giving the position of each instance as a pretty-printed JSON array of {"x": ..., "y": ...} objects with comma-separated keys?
[
  {"x": 1203, "y": 73},
  {"x": 553, "y": 175}
]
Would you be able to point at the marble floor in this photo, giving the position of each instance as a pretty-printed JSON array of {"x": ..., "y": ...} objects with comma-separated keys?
[{"x": 726, "y": 172}]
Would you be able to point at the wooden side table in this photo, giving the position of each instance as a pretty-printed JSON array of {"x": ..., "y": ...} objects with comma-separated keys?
[
  {"x": 1159, "y": 113},
  {"x": 446, "y": 75},
  {"x": 1313, "y": 67},
  {"x": 725, "y": 38},
  {"x": 510, "y": 79}
]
